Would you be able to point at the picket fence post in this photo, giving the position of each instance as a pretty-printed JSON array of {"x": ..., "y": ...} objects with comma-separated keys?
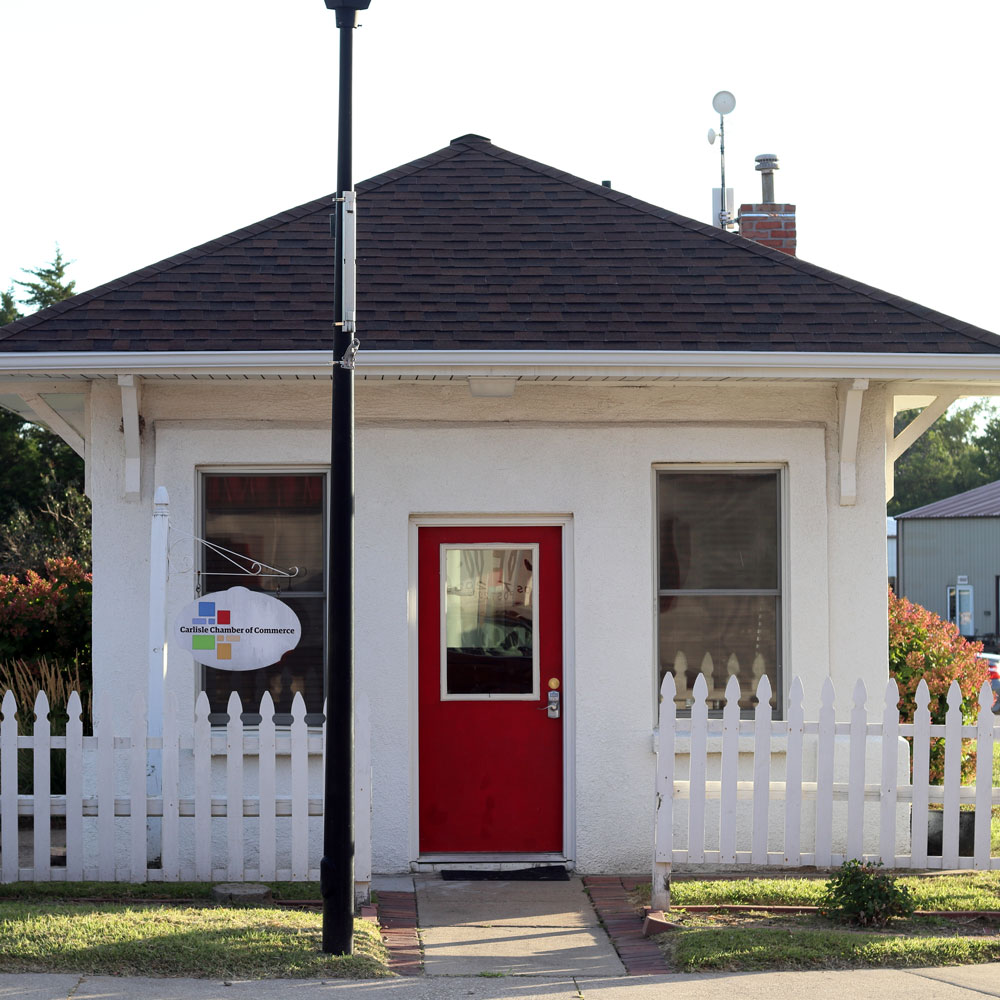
[
  {"x": 984, "y": 776},
  {"x": 952, "y": 776},
  {"x": 9, "y": 861},
  {"x": 730, "y": 772},
  {"x": 890, "y": 756},
  {"x": 824, "y": 774},
  {"x": 266, "y": 788},
  {"x": 300, "y": 790},
  {"x": 761, "y": 770},
  {"x": 234, "y": 788},
  {"x": 663, "y": 836},
  {"x": 696, "y": 777},
  {"x": 920, "y": 769},
  {"x": 41, "y": 752},
  {"x": 793, "y": 774},
  {"x": 202, "y": 789}
]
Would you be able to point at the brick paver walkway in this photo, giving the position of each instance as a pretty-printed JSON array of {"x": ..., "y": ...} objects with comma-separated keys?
[
  {"x": 397, "y": 916},
  {"x": 610, "y": 894}
]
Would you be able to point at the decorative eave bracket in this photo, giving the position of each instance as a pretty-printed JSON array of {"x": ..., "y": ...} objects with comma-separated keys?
[
  {"x": 851, "y": 397},
  {"x": 47, "y": 416},
  {"x": 129, "y": 386},
  {"x": 898, "y": 444}
]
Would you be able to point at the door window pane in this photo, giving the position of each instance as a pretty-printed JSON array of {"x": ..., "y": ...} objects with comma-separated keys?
[
  {"x": 489, "y": 623},
  {"x": 277, "y": 519}
]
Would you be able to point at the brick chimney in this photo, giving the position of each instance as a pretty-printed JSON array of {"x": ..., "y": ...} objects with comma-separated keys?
[{"x": 769, "y": 223}]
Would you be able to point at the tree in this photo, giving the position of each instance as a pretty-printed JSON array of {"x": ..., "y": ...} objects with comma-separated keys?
[
  {"x": 947, "y": 459},
  {"x": 50, "y": 286},
  {"x": 8, "y": 307},
  {"x": 988, "y": 442},
  {"x": 43, "y": 513}
]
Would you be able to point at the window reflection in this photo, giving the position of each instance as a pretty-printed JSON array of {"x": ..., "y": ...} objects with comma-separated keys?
[{"x": 489, "y": 621}]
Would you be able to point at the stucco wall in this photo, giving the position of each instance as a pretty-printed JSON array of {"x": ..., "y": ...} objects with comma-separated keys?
[{"x": 579, "y": 450}]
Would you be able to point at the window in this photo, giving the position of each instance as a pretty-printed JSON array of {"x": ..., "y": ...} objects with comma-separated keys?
[
  {"x": 719, "y": 593},
  {"x": 278, "y": 519}
]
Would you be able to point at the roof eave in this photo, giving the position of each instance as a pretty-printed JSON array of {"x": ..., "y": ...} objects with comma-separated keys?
[{"x": 960, "y": 369}]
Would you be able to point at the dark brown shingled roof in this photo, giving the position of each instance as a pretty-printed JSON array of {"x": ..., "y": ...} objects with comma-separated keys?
[
  {"x": 474, "y": 247},
  {"x": 983, "y": 501}
]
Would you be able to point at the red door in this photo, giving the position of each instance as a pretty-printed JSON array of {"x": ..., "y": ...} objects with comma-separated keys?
[{"x": 490, "y": 653}]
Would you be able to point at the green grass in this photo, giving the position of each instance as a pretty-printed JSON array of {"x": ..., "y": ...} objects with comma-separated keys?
[
  {"x": 967, "y": 891},
  {"x": 174, "y": 940},
  {"x": 744, "y": 949},
  {"x": 126, "y": 891},
  {"x": 748, "y": 941}
]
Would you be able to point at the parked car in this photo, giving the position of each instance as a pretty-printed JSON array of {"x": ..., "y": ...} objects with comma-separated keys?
[{"x": 993, "y": 663}]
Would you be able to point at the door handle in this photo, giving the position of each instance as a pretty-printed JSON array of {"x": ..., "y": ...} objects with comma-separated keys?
[{"x": 553, "y": 706}]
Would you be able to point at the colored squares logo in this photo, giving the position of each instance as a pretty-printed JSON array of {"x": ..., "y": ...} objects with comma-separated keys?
[{"x": 209, "y": 615}]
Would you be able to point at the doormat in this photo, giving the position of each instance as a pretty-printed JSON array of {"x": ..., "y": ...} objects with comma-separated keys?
[{"x": 540, "y": 873}]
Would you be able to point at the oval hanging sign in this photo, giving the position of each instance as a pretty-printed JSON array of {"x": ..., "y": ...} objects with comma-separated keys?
[{"x": 237, "y": 629}]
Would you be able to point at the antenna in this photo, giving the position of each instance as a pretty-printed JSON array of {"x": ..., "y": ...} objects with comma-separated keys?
[{"x": 723, "y": 102}]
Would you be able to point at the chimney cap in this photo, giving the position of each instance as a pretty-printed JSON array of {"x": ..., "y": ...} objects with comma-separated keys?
[{"x": 767, "y": 161}]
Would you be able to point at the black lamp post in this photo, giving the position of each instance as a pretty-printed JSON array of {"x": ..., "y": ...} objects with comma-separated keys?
[{"x": 337, "y": 866}]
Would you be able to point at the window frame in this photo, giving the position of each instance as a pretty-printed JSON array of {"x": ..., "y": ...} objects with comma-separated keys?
[
  {"x": 781, "y": 593},
  {"x": 251, "y": 717}
]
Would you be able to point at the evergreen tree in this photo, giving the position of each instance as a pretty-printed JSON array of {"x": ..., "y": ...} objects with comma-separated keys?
[
  {"x": 43, "y": 512},
  {"x": 51, "y": 285},
  {"x": 8, "y": 307}
]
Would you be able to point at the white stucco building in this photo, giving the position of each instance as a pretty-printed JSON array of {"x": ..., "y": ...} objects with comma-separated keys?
[{"x": 595, "y": 441}]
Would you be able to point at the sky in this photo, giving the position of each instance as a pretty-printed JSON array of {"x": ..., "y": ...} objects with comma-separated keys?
[{"x": 135, "y": 130}]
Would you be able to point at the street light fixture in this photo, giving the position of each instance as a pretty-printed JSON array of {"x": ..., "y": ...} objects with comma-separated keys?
[{"x": 337, "y": 866}]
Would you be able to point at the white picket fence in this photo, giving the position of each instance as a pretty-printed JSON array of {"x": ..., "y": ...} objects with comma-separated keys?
[
  {"x": 815, "y": 793},
  {"x": 235, "y": 803}
]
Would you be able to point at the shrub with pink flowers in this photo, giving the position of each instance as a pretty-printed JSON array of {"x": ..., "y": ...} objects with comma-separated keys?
[
  {"x": 47, "y": 616},
  {"x": 924, "y": 646}
]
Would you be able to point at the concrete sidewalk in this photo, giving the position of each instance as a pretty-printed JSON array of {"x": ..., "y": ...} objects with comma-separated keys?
[
  {"x": 958, "y": 983},
  {"x": 512, "y": 928}
]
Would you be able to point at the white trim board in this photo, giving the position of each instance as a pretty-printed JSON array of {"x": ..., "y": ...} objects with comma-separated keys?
[{"x": 971, "y": 369}]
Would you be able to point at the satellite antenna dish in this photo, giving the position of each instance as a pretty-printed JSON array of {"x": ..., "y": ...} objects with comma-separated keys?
[{"x": 723, "y": 102}]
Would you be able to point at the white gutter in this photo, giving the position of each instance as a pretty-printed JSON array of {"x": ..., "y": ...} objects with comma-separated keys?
[{"x": 964, "y": 368}]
